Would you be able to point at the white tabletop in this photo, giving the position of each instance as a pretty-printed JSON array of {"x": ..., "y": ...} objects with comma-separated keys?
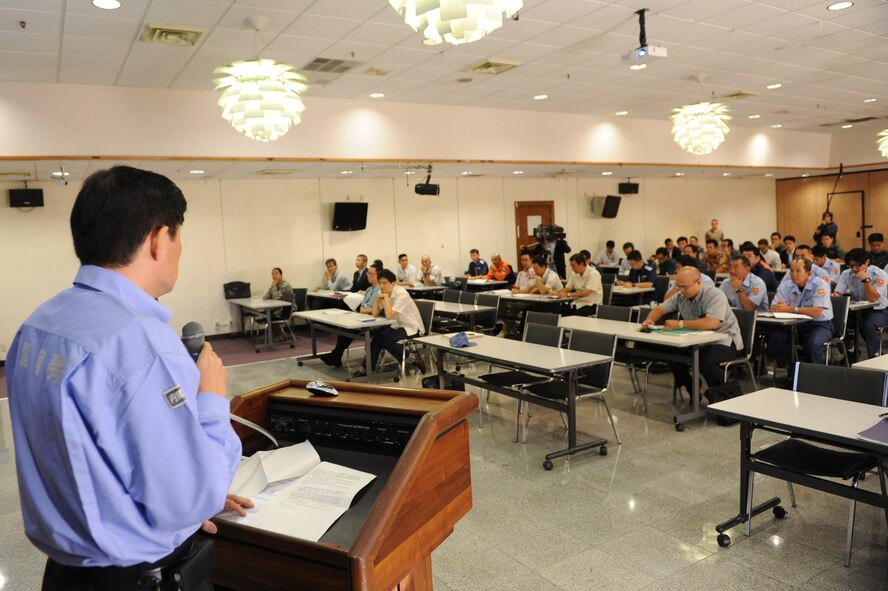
[
  {"x": 518, "y": 354},
  {"x": 619, "y": 289},
  {"x": 490, "y": 282},
  {"x": 535, "y": 297},
  {"x": 456, "y": 308},
  {"x": 629, "y": 331},
  {"x": 328, "y": 294},
  {"x": 768, "y": 318},
  {"x": 810, "y": 414},
  {"x": 880, "y": 363},
  {"x": 344, "y": 319},
  {"x": 425, "y": 288},
  {"x": 258, "y": 303},
  {"x": 856, "y": 306}
]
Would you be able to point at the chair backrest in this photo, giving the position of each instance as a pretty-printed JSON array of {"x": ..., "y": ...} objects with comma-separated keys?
[
  {"x": 642, "y": 313},
  {"x": 661, "y": 286},
  {"x": 771, "y": 295},
  {"x": 711, "y": 274},
  {"x": 236, "y": 289},
  {"x": 608, "y": 278},
  {"x": 467, "y": 297},
  {"x": 599, "y": 343},
  {"x": 623, "y": 313},
  {"x": 286, "y": 311},
  {"x": 857, "y": 385},
  {"x": 840, "y": 306},
  {"x": 541, "y": 318},
  {"x": 300, "y": 295},
  {"x": 426, "y": 312},
  {"x": 606, "y": 290},
  {"x": 451, "y": 295},
  {"x": 487, "y": 319},
  {"x": 542, "y": 334},
  {"x": 746, "y": 320}
]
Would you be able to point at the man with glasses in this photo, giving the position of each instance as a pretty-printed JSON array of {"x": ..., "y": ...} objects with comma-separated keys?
[
  {"x": 803, "y": 294},
  {"x": 700, "y": 307},
  {"x": 866, "y": 283}
]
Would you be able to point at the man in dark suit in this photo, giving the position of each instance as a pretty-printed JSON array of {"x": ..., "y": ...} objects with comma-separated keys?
[{"x": 360, "y": 283}]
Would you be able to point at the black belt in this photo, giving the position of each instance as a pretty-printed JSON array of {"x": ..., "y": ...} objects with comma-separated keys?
[{"x": 119, "y": 577}]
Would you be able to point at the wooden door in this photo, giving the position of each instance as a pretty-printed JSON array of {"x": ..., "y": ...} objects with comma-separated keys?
[
  {"x": 847, "y": 210},
  {"x": 529, "y": 215}
]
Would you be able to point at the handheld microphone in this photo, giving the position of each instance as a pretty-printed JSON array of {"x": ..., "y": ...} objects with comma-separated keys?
[{"x": 193, "y": 338}]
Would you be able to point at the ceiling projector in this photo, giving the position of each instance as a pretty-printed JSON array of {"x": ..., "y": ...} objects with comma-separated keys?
[{"x": 645, "y": 52}]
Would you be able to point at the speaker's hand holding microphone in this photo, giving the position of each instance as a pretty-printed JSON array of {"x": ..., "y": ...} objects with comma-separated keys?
[{"x": 212, "y": 373}]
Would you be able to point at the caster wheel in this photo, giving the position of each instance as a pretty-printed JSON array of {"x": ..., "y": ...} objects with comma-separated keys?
[
  {"x": 679, "y": 427},
  {"x": 292, "y": 346},
  {"x": 779, "y": 512},
  {"x": 457, "y": 368},
  {"x": 397, "y": 379},
  {"x": 602, "y": 450},
  {"x": 724, "y": 540},
  {"x": 299, "y": 363},
  {"x": 548, "y": 465}
]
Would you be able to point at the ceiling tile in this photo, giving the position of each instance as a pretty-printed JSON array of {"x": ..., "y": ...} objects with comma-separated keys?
[{"x": 321, "y": 27}]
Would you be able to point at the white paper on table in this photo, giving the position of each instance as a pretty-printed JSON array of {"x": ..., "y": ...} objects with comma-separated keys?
[
  {"x": 353, "y": 300},
  {"x": 786, "y": 315},
  {"x": 335, "y": 312},
  {"x": 262, "y": 468},
  {"x": 308, "y": 506}
]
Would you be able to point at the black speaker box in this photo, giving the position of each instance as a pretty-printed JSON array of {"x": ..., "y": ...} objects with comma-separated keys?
[
  {"x": 611, "y": 206},
  {"x": 628, "y": 188},
  {"x": 427, "y": 189},
  {"x": 26, "y": 198}
]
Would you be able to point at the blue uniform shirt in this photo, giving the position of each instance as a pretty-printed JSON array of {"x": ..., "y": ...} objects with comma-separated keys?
[
  {"x": 814, "y": 294},
  {"x": 753, "y": 287},
  {"x": 816, "y": 272},
  {"x": 477, "y": 269},
  {"x": 119, "y": 457},
  {"x": 849, "y": 284},
  {"x": 644, "y": 275},
  {"x": 832, "y": 268}
]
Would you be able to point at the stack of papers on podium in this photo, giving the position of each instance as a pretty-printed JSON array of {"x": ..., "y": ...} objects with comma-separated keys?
[
  {"x": 294, "y": 492},
  {"x": 878, "y": 433}
]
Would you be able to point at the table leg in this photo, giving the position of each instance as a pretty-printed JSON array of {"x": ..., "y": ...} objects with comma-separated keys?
[
  {"x": 268, "y": 328},
  {"x": 793, "y": 352},
  {"x": 572, "y": 446},
  {"x": 695, "y": 413},
  {"x": 368, "y": 363}
]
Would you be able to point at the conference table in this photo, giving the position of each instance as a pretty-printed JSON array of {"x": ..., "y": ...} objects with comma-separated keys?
[
  {"x": 672, "y": 347},
  {"x": 485, "y": 284},
  {"x": 455, "y": 309},
  {"x": 522, "y": 356},
  {"x": 789, "y": 324},
  {"x": 428, "y": 292},
  {"x": 325, "y": 298},
  {"x": 342, "y": 323},
  {"x": 879, "y": 363},
  {"x": 629, "y": 295},
  {"x": 264, "y": 309},
  {"x": 827, "y": 420},
  {"x": 535, "y": 301}
]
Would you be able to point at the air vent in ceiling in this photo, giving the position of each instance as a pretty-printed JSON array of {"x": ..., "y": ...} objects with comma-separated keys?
[
  {"x": 15, "y": 174},
  {"x": 492, "y": 67},
  {"x": 171, "y": 35},
  {"x": 734, "y": 96},
  {"x": 276, "y": 172},
  {"x": 852, "y": 121},
  {"x": 330, "y": 66}
]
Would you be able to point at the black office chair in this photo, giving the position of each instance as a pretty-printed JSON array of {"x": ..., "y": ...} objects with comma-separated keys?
[
  {"x": 451, "y": 295},
  {"x": 426, "y": 313},
  {"x": 467, "y": 297},
  {"x": 840, "y": 306},
  {"x": 608, "y": 278},
  {"x": 621, "y": 313},
  {"x": 486, "y": 322},
  {"x": 282, "y": 320},
  {"x": 746, "y": 320},
  {"x": 661, "y": 286},
  {"x": 807, "y": 458},
  {"x": 607, "y": 290},
  {"x": 711, "y": 274},
  {"x": 534, "y": 317},
  {"x": 458, "y": 323},
  {"x": 300, "y": 304},
  {"x": 592, "y": 383},
  {"x": 236, "y": 289},
  {"x": 539, "y": 334}
]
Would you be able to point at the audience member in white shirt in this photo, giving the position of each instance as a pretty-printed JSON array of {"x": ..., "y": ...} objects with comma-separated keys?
[
  {"x": 334, "y": 279},
  {"x": 608, "y": 256},
  {"x": 406, "y": 273}
]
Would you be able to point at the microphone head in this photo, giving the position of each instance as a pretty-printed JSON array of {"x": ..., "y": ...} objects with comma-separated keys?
[{"x": 193, "y": 338}]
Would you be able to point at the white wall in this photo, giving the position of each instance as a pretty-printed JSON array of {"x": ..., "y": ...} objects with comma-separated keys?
[{"x": 239, "y": 230}]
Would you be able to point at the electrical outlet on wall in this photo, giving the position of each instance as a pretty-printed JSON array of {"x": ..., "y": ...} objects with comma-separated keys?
[{"x": 220, "y": 324}]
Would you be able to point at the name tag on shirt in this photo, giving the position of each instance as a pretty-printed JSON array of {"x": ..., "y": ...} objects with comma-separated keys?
[{"x": 174, "y": 397}]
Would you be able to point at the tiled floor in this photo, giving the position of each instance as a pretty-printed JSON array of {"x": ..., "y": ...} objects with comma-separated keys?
[{"x": 641, "y": 517}]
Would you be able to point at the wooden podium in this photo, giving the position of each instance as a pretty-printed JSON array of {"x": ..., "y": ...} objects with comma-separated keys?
[{"x": 417, "y": 444}]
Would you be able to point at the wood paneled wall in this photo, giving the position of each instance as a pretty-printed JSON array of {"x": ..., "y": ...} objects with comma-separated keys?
[{"x": 802, "y": 201}]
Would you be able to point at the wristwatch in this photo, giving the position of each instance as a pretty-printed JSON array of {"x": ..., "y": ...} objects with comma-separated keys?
[
  {"x": 865, "y": 280},
  {"x": 681, "y": 324},
  {"x": 796, "y": 309}
]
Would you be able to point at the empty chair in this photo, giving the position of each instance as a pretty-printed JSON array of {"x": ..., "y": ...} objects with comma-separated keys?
[
  {"x": 606, "y": 290},
  {"x": 300, "y": 304},
  {"x": 608, "y": 278},
  {"x": 282, "y": 321},
  {"x": 593, "y": 381},
  {"x": 467, "y": 297},
  {"x": 807, "y": 458},
  {"x": 236, "y": 289},
  {"x": 486, "y": 322},
  {"x": 534, "y": 317},
  {"x": 840, "y": 305},
  {"x": 451, "y": 295},
  {"x": 661, "y": 286},
  {"x": 614, "y": 313}
]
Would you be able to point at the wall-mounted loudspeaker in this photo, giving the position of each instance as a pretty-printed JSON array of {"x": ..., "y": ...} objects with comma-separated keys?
[
  {"x": 628, "y": 188},
  {"x": 611, "y": 206}
]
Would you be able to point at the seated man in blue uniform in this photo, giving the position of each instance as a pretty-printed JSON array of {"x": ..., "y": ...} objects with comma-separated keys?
[
  {"x": 743, "y": 289},
  {"x": 640, "y": 275},
  {"x": 803, "y": 294},
  {"x": 866, "y": 283},
  {"x": 123, "y": 444},
  {"x": 832, "y": 268}
]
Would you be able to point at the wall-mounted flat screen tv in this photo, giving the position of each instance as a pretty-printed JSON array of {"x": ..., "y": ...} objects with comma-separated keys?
[{"x": 349, "y": 216}]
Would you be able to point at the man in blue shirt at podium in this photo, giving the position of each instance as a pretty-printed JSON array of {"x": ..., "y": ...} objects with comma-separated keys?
[{"x": 123, "y": 443}]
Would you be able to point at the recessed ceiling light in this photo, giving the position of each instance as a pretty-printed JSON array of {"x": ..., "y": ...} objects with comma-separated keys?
[
  {"x": 638, "y": 66},
  {"x": 60, "y": 174},
  {"x": 466, "y": 172},
  {"x": 776, "y": 126},
  {"x": 769, "y": 174},
  {"x": 679, "y": 174},
  {"x": 621, "y": 113},
  {"x": 805, "y": 175},
  {"x": 428, "y": 41},
  {"x": 606, "y": 173},
  {"x": 410, "y": 172},
  {"x": 346, "y": 171},
  {"x": 774, "y": 86},
  {"x": 377, "y": 95},
  {"x": 869, "y": 100},
  {"x": 754, "y": 117},
  {"x": 195, "y": 172},
  {"x": 726, "y": 174},
  {"x": 840, "y": 5},
  {"x": 540, "y": 97},
  {"x": 517, "y": 172},
  {"x": 847, "y": 126},
  {"x": 106, "y": 4}
]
